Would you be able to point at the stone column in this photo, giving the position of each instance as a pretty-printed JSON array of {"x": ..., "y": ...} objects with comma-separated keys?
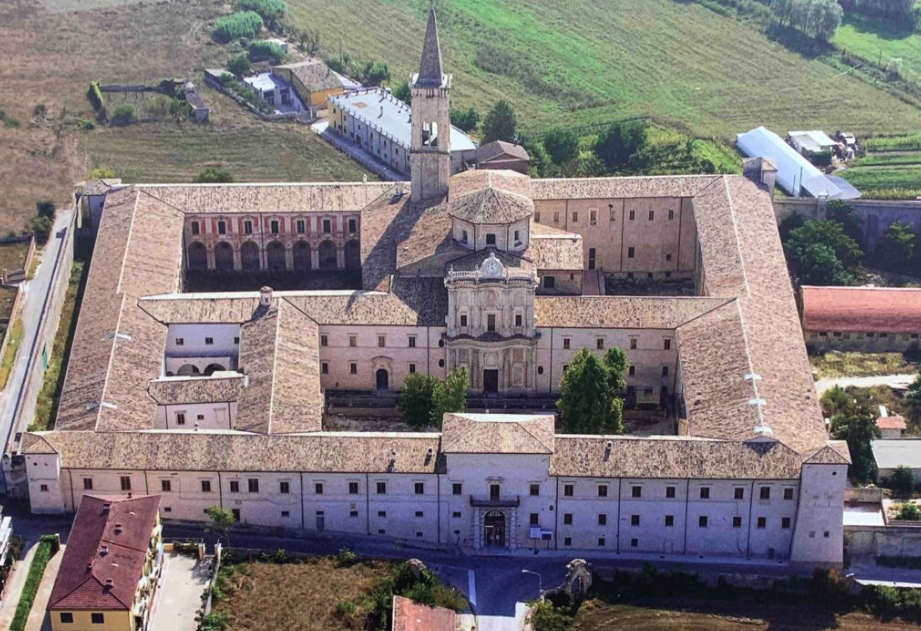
[
  {"x": 477, "y": 529},
  {"x": 210, "y": 254},
  {"x": 237, "y": 260},
  {"x": 340, "y": 258},
  {"x": 315, "y": 258},
  {"x": 512, "y": 534}
]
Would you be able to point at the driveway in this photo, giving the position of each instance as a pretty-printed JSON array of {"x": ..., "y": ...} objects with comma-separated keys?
[
  {"x": 179, "y": 594},
  {"x": 897, "y": 382}
]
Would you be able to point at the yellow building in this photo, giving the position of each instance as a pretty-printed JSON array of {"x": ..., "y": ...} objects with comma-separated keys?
[
  {"x": 111, "y": 566},
  {"x": 313, "y": 81}
]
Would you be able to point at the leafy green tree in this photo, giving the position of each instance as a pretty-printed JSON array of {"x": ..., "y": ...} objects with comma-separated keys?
[
  {"x": 914, "y": 398},
  {"x": 902, "y": 481},
  {"x": 820, "y": 253},
  {"x": 896, "y": 248},
  {"x": 450, "y": 395},
  {"x": 375, "y": 73},
  {"x": 858, "y": 428},
  {"x": 465, "y": 120},
  {"x": 844, "y": 214},
  {"x": 264, "y": 49},
  {"x": 789, "y": 224},
  {"x": 222, "y": 522},
  {"x": 835, "y": 400},
  {"x": 909, "y": 512},
  {"x": 237, "y": 25},
  {"x": 415, "y": 400},
  {"x": 214, "y": 175},
  {"x": 41, "y": 229},
  {"x": 619, "y": 142},
  {"x": 562, "y": 144},
  {"x": 588, "y": 403},
  {"x": 404, "y": 93},
  {"x": 240, "y": 65},
  {"x": 540, "y": 163},
  {"x": 501, "y": 123},
  {"x": 615, "y": 360}
]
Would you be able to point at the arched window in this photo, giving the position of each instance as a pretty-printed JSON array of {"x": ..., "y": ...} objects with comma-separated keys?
[
  {"x": 302, "y": 256},
  {"x": 275, "y": 256},
  {"x": 328, "y": 255},
  {"x": 249, "y": 255},
  {"x": 223, "y": 257},
  {"x": 198, "y": 256}
]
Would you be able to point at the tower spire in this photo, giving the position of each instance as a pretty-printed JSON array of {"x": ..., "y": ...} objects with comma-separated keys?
[{"x": 430, "y": 69}]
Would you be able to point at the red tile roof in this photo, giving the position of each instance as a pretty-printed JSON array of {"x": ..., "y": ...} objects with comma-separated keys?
[
  {"x": 109, "y": 540},
  {"x": 891, "y": 422},
  {"x": 862, "y": 309},
  {"x": 411, "y": 616}
]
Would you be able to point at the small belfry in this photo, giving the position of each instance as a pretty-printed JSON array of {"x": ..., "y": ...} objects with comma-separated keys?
[{"x": 430, "y": 152}]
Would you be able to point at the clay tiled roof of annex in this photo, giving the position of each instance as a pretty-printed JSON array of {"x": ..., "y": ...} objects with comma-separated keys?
[
  {"x": 154, "y": 450},
  {"x": 279, "y": 351},
  {"x": 268, "y": 197},
  {"x": 672, "y": 457},
  {"x": 109, "y": 540},
  {"x": 497, "y": 434},
  {"x": 501, "y": 149},
  {"x": 491, "y": 206},
  {"x": 314, "y": 74},
  {"x": 891, "y": 422},
  {"x": 117, "y": 347},
  {"x": 552, "y": 252},
  {"x": 862, "y": 309},
  {"x": 217, "y": 388},
  {"x": 412, "y": 616},
  {"x": 834, "y": 452},
  {"x": 627, "y": 312},
  {"x": 620, "y": 187}
]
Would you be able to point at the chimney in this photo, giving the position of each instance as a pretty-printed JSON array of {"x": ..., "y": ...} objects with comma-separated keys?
[
  {"x": 103, "y": 550},
  {"x": 110, "y": 583},
  {"x": 265, "y": 297},
  {"x": 118, "y": 528}
]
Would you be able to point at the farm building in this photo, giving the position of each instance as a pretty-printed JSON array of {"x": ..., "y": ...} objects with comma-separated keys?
[
  {"x": 200, "y": 111},
  {"x": 499, "y": 154},
  {"x": 795, "y": 174},
  {"x": 891, "y": 453},
  {"x": 861, "y": 318},
  {"x": 314, "y": 82},
  {"x": 811, "y": 142}
]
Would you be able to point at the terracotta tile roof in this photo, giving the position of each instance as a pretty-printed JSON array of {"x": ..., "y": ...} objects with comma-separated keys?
[
  {"x": 314, "y": 74},
  {"x": 497, "y": 433},
  {"x": 412, "y": 616},
  {"x": 478, "y": 180},
  {"x": 219, "y": 387},
  {"x": 891, "y": 422},
  {"x": 834, "y": 452},
  {"x": 156, "y": 450},
  {"x": 491, "y": 206},
  {"x": 555, "y": 252},
  {"x": 862, "y": 309},
  {"x": 109, "y": 539},
  {"x": 501, "y": 149},
  {"x": 621, "y": 187},
  {"x": 624, "y": 312}
]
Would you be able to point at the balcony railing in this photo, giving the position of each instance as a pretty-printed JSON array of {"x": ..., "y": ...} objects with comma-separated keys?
[{"x": 508, "y": 501}]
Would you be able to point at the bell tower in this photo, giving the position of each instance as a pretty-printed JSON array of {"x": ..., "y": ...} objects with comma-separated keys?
[{"x": 430, "y": 151}]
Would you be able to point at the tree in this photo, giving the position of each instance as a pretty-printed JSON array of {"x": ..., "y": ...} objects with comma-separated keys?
[
  {"x": 844, "y": 214},
  {"x": 41, "y": 229},
  {"x": 909, "y": 512},
  {"x": 415, "y": 400},
  {"x": 588, "y": 403},
  {"x": 240, "y": 64},
  {"x": 450, "y": 395},
  {"x": 222, "y": 521},
  {"x": 213, "y": 175},
  {"x": 45, "y": 209},
  {"x": 835, "y": 400},
  {"x": 858, "y": 428},
  {"x": 914, "y": 398},
  {"x": 404, "y": 93},
  {"x": 375, "y": 73},
  {"x": 500, "y": 123},
  {"x": 540, "y": 163},
  {"x": 789, "y": 224},
  {"x": 902, "y": 481},
  {"x": 619, "y": 142},
  {"x": 562, "y": 144},
  {"x": 615, "y": 360},
  {"x": 896, "y": 247},
  {"x": 820, "y": 253},
  {"x": 465, "y": 120}
]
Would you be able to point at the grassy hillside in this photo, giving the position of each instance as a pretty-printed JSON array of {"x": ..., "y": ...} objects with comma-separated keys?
[
  {"x": 879, "y": 41},
  {"x": 588, "y": 62}
]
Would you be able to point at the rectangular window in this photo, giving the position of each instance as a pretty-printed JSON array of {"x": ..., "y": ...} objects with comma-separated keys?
[
  {"x": 67, "y": 617},
  {"x": 634, "y": 520},
  {"x": 602, "y": 520},
  {"x": 412, "y": 368},
  {"x": 519, "y": 320},
  {"x": 634, "y": 543},
  {"x": 702, "y": 521},
  {"x": 412, "y": 341},
  {"x": 382, "y": 488},
  {"x": 495, "y": 492},
  {"x": 273, "y": 226},
  {"x": 222, "y": 227},
  {"x": 247, "y": 227},
  {"x": 456, "y": 514},
  {"x": 195, "y": 228},
  {"x": 252, "y": 485},
  {"x": 87, "y": 484},
  {"x": 180, "y": 341},
  {"x": 549, "y": 282},
  {"x": 631, "y": 371},
  {"x": 236, "y": 341},
  {"x": 668, "y": 257},
  {"x": 419, "y": 488},
  {"x": 490, "y": 239},
  {"x": 566, "y": 343},
  {"x": 537, "y": 216},
  {"x": 98, "y": 618},
  {"x": 636, "y": 491},
  {"x": 788, "y": 494},
  {"x": 126, "y": 483},
  {"x": 353, "y": 488},
  {"x": 602, "y": 490},
  {"x": 593, "y": 217},
  {"x": 631, "y": 252},
  {"x": 762, "y": 522},
  {"x": 180, "y": 418},
  {"x": 670, "y": 492},
  {"x": 739, "y": 493},
  {"x": 534, "y": 519},
  {"x": 463, "y": 320},
  {"x": 285, "y": 513},
  {"x": 632, "y": 343},
  {"x": 669, "y": 521},
  {"x": 301, "y": 226},
  {"x": 517, "y": 237},
  {"x": 381, "y": 513},
  {"x": 556, "y": 216},
  {"x": 43, "y": 488},
  {"x": 737, "y": 522},
  {"x": 353, "y": 226},
  {"x": 463, "y": 236},
  {"x": 535, "y": 490},
  {"x": 353, "y": 368},
  {"x": 632, "y": 215},
  {"x": 765, "y": 492},
  {"x": 567, "y": 519},
  {"x": 324, "y": 368},
  {"x": 209, "y": 341},
  {"x": 705, "y": 492},
  {"x": 491, "y": 322},
  {"x": 324, "y": 340},
  {"x": 381, "y": 341},
  {"x": 599, "y": 344},
  {"x": 327, "y": 226},
  {"x": 575, "y": 216},
  {"x": 420, "y": 513},
  {"x": 457, "y": 488},
  {"x": 206, "y": 486},
  {"x": 667, "y": 344},
  {"x": 671, "y": 214},
  {"x": 234, "y": 486},
  {"x": 652, "y": 215},
  {"x": 785, "y": 523},
  {"x": 665, "y": 371},
  {"x": 166, "y": 486},
  {"x": 568, "y": 490},
  {"x": 567, "y": 541},
  {"x": 284, "y": 488}
]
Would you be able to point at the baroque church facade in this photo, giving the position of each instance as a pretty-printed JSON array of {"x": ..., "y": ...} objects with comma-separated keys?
[{"x": 218, "y": 398}]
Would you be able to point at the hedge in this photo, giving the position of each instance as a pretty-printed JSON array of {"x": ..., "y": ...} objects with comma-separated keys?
[
  {"x": 237, "y": 25},
  {"x": 46, "y": 549},
  {"x": 94, "y": 94},
  {"x": 270, "y": 10},
  {"x": 264, "y": 49}
]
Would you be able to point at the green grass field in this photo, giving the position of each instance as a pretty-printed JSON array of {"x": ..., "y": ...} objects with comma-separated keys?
[
  {"x": 586, "y": 63},
  {"x": 886, "y": 182},
  {"x": 878, "y": 41}
]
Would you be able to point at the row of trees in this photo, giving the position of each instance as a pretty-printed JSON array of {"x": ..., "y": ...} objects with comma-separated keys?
[{"x": 818, "y": 19}]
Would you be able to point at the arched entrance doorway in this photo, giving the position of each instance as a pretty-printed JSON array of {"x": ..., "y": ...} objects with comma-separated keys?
[
  {"x": 494, "y": 529},
  {"x": 328, "y": 255},
  {"x": 382, "y": 379},
  {"x": 249, "y": 255},
  {"x": 198, "y": 256},
  {"x": 352, "y": 255},
  {"x": 187, "y": 370},
  {"x": 223, "y": 257},
  {"x": 302, "y": 256},
  {"x": 213, "y": 368},
  {"x": 275, "y": 256}
]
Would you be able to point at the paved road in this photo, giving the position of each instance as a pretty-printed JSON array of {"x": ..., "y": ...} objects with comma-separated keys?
[
  {"x": 893, "y": 381},
  {"x": 12, "y": 402}
]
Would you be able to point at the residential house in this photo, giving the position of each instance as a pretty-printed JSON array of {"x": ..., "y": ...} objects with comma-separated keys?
[{"x": 313, "y": 81}]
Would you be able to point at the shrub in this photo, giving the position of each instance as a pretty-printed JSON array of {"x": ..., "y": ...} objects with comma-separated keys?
[
  {"x": 102, "y": 173},
  {"x": 85, "y": 124},
  {"x": 272, "y": 11},
  {"x": 546, "y": 617},
  {"x": 213, "y": 175},
  {"x": 45, "y": 209},
  {"x": 159, "y": 106},
  {"x": 902, "y": 481},
  {"x": 239, "y": 65},
  {"x": 94, "y": 94},
  {"x": 40, "y": 110},
  {"x": 909, "y": 512},
  {"x": 213, "y": 622},
  {"x": 237, "y": 25},
  {"x": 124, "y": 115},
  {"x": 346, "y": 558},
  {"x": 43, "y": 554},
  {"x": 41, "y": 228},
  {"x": 345, "y": 608},
  {"x": 264, "y": 49}
]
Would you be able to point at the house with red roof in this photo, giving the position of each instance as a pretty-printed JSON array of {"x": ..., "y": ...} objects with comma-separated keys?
[
  {"x": 871, "y": 319},
  {"x": 111, "y": 566}
]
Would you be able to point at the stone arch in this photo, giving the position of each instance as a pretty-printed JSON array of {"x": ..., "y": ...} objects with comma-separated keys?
[
  {"x": 197, "y": 256},
  {"x": 187, "y": 370},
  {"x": 328, "y": 258},
  {"x": 302, "y": 256},
  {"x": 352, "y": 254},
  {"x": 275, "y": 256},
  {"x": 249, "y": 256},
  {"x": 210, "y": 369},
  {"x": 223, "y": 256}
]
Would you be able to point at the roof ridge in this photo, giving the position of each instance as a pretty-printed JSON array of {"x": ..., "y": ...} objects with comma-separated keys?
[{"x": 530, "y": 433}]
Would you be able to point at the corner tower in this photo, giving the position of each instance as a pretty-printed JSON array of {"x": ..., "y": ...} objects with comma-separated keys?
[{"x": 430, "y": 152}]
